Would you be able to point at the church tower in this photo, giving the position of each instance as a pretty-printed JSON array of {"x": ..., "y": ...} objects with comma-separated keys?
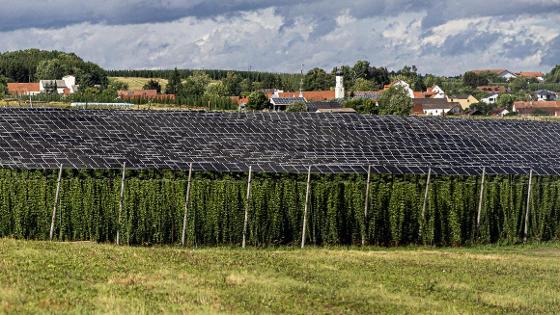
[{"x": 339, "y": 89}]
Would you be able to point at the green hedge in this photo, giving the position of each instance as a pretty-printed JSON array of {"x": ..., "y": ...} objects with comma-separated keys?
[{"x": 154, "y": 205}]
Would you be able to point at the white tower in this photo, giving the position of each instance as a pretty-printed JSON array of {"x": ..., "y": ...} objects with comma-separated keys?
[{"x": 339, "y": 89}]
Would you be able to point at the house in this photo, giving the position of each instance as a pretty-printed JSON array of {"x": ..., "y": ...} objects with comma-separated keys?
[
  {"x": 499, "y": 112},
  {"x": 310, "y": 96},
  {"x": 144, "y": 94},
  {"x": 500, "y": 73},
  {"x": 406, "y": 88},
  {"x": 65, "y": 86},
  {"x": 547, "y": 108},
  {"x": 435, "y": 92},
  {"x": 464, "y": 100},
  {"x": 435, "y": 107},
  {"x": 281, "y": 103},
  {"x": 500, "y": 89},
  {"x": 539, "y": 76},
  {"x": 545, "y": 95},
  {"x": 490, "y": 99},
  {"x": 23, "y": 89}
]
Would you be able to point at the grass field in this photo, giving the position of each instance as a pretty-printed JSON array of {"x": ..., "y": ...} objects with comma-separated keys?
[
  {"x": 41, "y": 277},
  {"x": 138, "y": 83}
]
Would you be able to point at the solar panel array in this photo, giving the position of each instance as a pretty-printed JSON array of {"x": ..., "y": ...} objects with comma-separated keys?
[
  {"x": 274, "y": 142},
  {"x": 287, "y": 100}
]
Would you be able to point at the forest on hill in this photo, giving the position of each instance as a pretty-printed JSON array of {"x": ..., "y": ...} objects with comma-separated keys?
[{"x": 32, "y": 65}]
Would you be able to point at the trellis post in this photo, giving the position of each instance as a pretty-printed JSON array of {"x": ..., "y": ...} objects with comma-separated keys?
[
  {"x": 366, "y": 206},
  {"x": 58, "y": 182},
  {"x": 307, "y": 191},
  {"x": 423, "y": 214},
  {"x": 187, "y": 197},
  {"x": 247, "y": 205},
  {"x": 480, "y": 199},
  {"x": 121, "y": 203},
  {"x": 526, "y": 227}
]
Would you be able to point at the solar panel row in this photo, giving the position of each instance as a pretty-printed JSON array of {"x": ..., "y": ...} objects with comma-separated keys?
[{"x": 275, "y": 142}]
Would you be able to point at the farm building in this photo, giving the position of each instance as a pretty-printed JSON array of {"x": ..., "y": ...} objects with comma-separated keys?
[{"x": 274, "y": 178}]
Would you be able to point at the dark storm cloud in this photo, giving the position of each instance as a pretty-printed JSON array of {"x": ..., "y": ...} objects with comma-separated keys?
[
  {"x": 59, "y": 13},
  {"x": 442, "y": 11}
]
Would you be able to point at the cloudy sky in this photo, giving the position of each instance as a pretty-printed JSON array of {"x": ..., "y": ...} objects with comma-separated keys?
[{"x": 439, "y": 36}]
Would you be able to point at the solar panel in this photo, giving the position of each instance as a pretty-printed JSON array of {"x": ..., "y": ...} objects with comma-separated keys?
[{"x": 275, "y": 142}]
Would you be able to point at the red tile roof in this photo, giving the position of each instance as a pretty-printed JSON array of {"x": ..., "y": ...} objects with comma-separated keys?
[
  {"x": 147, "y": 94},
  {"x": 23, "y": 88},
  {"x": 419, "y": 94},
  {"x": 530, "y": 74},
  {"x": 311, "y": 96},
  {"x": 492, "y": 88},
  {"x": 537, "y": 105}
]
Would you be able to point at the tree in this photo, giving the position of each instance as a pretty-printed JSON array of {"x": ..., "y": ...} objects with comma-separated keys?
[
  {"x": 217, "y": 89},
  {"x": 431, "y": 80},
  {"x": 246, "y": 86},
  {"x": 380, "y": 76},
  {"x": 361, "y": 70},
  {"x": 296, "y": 107},
  {"x": 483, "y": 108},
  {"x": 363, "y": 106},
  {"x": 152, "y": 85},
  {"x": 174, "y": 83},
  {"x": 395, "y": 101},
  {"x": 195, "y": 85},
  {"x": 117, "y": 85},
  {"x": 51, "y": 70},
  {"x": 362, "y": 84},
  {"x": 317, "y": 79},
  {"x": 257, "y": 101},
  {"x": 232, "y": 84},
  {"x": 474, "y": 80},
  {"x": 3, "y": 86},
  {"x": 90, "y": 75},
  {"x": 506, "y": 101},
  {"x": 519, "y": 84},
  {"x": 554, "y": 75}
]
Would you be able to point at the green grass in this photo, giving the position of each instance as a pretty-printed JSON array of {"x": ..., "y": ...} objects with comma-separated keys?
[
  {"x": 138, "y": 83},
  {"x": 42, "y": 277}
]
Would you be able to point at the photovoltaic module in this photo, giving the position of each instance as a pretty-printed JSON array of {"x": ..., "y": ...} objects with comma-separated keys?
[{"x": 275, "y": 142}]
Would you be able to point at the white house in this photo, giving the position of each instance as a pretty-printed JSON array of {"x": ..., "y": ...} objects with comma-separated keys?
[
  {"x": 435, "y": 92},
  {"x": 404, "y": 85},
  {"x": 491, "y": 99},
  {"x": 64, "y": 87},
  {"x": 501, "y": 73},
  {"x": 545, "y": 95}
]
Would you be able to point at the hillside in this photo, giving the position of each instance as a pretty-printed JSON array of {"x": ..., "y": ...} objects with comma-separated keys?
[
  {"x": 34, "y": 64},
  {"x": 42, "y": 277}
]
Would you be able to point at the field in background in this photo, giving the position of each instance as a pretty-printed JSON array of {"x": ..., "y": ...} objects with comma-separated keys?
[
  {"x": 138, "y": 83},
  {"x": 39, "y": 277}
]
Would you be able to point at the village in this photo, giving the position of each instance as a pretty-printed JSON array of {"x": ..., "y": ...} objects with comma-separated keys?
[{"x": 433, "y": 101}]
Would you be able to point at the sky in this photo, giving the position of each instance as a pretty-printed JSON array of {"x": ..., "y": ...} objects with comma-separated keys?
[{"x": 440, "y": 37}]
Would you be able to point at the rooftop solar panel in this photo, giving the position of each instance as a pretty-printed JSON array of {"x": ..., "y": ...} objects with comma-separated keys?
[{"x": 275, "y": 142}]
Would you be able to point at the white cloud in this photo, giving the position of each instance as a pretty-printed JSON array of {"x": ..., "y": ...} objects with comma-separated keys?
[{"x": 324, "y": 35}]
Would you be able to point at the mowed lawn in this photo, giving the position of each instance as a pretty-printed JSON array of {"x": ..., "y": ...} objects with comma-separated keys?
[{"x": 44, "y": 277}]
